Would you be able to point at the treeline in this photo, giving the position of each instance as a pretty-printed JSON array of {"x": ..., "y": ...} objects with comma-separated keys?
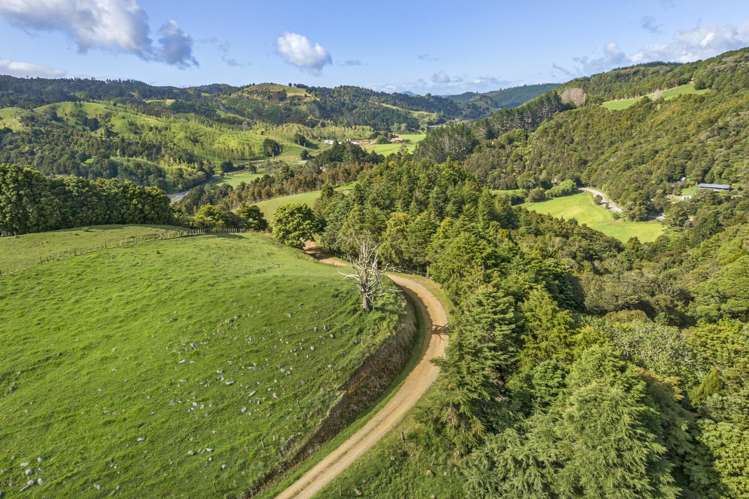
[
  {"x": 33, "y": 92},
  {"x": 458, "y": 141},
  {"x": 564, "y": 376},
  {"x": 32, "y": 202},
  {"x": 726, "y": 72},
  {"x": 341, "y": 164}
]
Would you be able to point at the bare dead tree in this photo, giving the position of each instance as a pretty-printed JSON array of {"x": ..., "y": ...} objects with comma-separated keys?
[{"x": 367, "y": 272}]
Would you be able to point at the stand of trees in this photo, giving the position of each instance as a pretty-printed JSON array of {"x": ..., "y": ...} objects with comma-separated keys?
[
  {"x": 340, "y": 164},
  {"x": 577, "y": 366},
  {"x": 31, "y": 202}
]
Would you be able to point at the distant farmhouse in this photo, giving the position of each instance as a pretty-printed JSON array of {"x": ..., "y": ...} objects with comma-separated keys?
[{"x": 714, "y": 187}]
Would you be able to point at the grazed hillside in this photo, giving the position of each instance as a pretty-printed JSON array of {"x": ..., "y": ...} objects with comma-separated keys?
[{"x": 127, "y": 372}]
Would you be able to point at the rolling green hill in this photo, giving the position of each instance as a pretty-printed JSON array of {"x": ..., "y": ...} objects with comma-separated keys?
[
  {"x": 127, "y": 371},
  {"x": 176, "y": 138}
]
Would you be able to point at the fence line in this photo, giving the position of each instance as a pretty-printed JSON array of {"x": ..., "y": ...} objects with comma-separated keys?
[{"x": 135, "y": 240}]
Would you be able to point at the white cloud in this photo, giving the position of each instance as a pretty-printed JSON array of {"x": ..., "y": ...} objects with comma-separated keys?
[
  {"x": 175, "y": 46},
  {"x": 442, "y": 78},
  {"x": 115, "y": 25},
  {"x": 697, "y": 43},
  {"x": 648, "y": 23},
  {"x": 28, "y": 70},
  {"x": 686, "y": 46},
  {"x": 443, "y": 83},
  {"x": 300, "y": 51}
]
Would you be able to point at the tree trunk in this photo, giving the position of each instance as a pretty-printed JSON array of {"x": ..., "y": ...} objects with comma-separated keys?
[{"x": 366, "y": 303}]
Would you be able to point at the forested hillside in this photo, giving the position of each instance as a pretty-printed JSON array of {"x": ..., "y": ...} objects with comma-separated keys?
[
  {"x": 176, "y": 138},
  {"x": 577, "y": 366},
  {"x": 639, "y": 155}
]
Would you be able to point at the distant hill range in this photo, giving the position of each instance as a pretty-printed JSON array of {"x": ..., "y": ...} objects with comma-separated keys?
[{"x": 273, "y": 103}]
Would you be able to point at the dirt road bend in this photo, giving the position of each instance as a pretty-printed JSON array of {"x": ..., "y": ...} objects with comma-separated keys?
[
  {"x": 411, "y": 390},
  {"x": 615, "y": 208}
]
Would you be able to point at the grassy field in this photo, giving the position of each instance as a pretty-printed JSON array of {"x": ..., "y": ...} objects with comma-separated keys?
[
  {"x": 269, "y": 206},
  {"x": 582, "y": 208},
  {"x": 20, "y": 252},
  {"x": 234, "y": 179},
  {"x": 127, "y": 372},
  {"x": 388, "y": 149},
  {"x": 668, "y": 94}
]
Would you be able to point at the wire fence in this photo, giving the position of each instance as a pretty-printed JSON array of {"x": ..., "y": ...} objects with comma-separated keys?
[{"x": 135, "y": 240}]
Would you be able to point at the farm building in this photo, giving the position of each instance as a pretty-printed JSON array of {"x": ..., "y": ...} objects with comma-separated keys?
[{"x": 714, "y": 187}]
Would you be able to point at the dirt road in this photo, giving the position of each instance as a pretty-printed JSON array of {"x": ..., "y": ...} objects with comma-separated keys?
[
  {"x": 607, "y": 202},
  {"x": 415, "y": 385}
]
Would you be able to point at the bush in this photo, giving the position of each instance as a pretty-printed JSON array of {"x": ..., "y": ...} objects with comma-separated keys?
[
  {"x": 252, "y": 217},
  {"x": 296, "y": 224},
  {"x": 564, "y": 188},
  {"x": 536, "y": 195},
  {"x": 271, "y": 148},
  {"x": 210, "y": 217}
]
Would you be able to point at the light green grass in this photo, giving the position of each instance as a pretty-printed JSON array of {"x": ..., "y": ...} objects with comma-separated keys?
[
  {"x": 20, "y": 252},
  {"x": 10, "y": 117},
  {"x": 690, "y": 191},
  {"x": 234, "y": 179},
  {"x": 411, "y": 140},
  {"x": 668, "y": 94},
  {"x": 270, "y": 206},
  {"x": 582, "y": 208},
  {"x": 122, "y": 368}
]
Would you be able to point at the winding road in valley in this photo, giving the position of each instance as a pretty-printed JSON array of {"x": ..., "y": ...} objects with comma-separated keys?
[{"x": 418, "y": 381}]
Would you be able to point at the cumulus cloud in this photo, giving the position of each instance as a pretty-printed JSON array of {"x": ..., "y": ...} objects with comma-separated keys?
[
  {"x": 300, "y": 51},
  {"x": 697, "y": 43},
  {"x": 115, "y": 25},
  {"x": 28, "y": 70},
  {"x": 443, "y": 83},
  {"x": 686, "y": 46},
  {"x": 442, "y": 78},
  {"x": 648, "y": 23},
  {"x": 175, "y": 46}
]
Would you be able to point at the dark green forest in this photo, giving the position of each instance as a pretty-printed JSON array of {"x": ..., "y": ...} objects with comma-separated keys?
[{"x": 577, "y": 366}]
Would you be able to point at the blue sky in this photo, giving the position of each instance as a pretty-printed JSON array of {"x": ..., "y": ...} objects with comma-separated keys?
[{"x": 422, "y": 46}]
